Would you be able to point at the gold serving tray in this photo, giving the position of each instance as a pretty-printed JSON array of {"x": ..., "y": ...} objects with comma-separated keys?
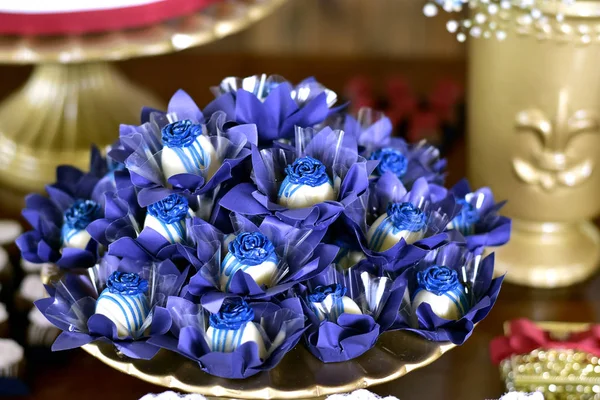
[
  {"x": 215, "y": 22},
  {"x": 298, "y": 376}
]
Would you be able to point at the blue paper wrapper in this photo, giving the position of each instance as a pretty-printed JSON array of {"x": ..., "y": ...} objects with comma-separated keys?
[
  {"x": 273, "y": 104},
  {"x": 347, "y": 172},
  {"x": 434, "y": 202},
  {"x": 270, "y": 210},
  {"x": 280, "y": 327},
  {"x": 475, "y": 274},
  {"x": 72, "y": 191},
  {"x": 478, "y": 219},
  {"x": 300, "y": 256},
  {"x": 347, "y": 311},
  {"x": 72, "y": 306},
  {"x": 373, "y": 133}
]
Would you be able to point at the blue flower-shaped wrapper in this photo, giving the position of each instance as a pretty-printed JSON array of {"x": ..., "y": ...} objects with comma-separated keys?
[
  {"x": 490, "y": 229},
  {"x": 347, "y": 171},
  {"x": 274, "y": 105},
  {"x": 72, "y": 306},
  {"x": 373, "y": 132},
  {"x": 122, "y": 228},
  {"x": 68, "y": 199},
  {"x": 351, "y": 335},
  {"x": 300, "y": 254},
  {"x": 187, "y": 337},
  {"x": 435, "y": 201},
  {"x": 141, "y": 149},
  {"x": 482, "y": 290}
]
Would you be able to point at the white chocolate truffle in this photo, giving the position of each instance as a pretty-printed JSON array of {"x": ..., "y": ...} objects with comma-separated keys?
[
  {"x": 253, "y": 253},
  {"x": 168, "y": 216},
  {"x": 401, "y": 221},
  {"x": 125, "y": 303},
  {"x": 329, "y": 302},
  {"x": 233, "y": 326},
  {"x": 187, "y": 151},
  {"x": 306, "y": 184},
  {"x": 442, "y": 290},
  {"x": 76, "y": 219}
]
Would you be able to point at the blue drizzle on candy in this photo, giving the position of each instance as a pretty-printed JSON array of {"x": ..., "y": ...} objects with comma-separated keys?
[
  {"x": 320, "y": 293},
  {"x": 465, "y": 221},
  {"x": 181, "y": 137},
  {"x": 127, "y": 292},
  {"x": 171, "y": 212},
  {"x": 443, "y": 281},
  {"x": 304, "y": 171},
  {"x": 248, "y": 249},
  {"x": 77, "y": 217},
  {"x": 400, "y": 217},
  {"x": 234, "y": 315},
  {"x": 390, "y": 160}
]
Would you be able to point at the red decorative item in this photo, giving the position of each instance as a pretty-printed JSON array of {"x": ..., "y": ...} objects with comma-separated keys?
[
  {"x": 525, "y": 336},
  {"x": 424, "y": 125},
  {"x": 108, "y": 19}
]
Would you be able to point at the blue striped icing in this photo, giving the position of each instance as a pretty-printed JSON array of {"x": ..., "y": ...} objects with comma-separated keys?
[
  {"x": 128, "y": 310},
  {"x": 193, "y": 157},
  {"x": 457, "y": 296},
  {"x": 231, "y": 265},
  {"x": 227, "y": 340}
]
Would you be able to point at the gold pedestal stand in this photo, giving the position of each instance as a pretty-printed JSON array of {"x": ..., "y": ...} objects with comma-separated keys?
[
  {"x": 534, "y": 119},
  {"x": 75, "y": 98}
]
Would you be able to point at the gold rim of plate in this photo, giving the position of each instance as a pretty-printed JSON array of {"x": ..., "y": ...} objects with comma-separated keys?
[
  {"x": 298, "y": 376},
  {"x": 215, "y": 22}
]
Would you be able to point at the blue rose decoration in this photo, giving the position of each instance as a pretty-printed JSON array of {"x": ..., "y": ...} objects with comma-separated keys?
[
  {"x": 438, "y": 280},
  {"x": 81, "y": 214},
  {"x": 321, "y": 292},
  {"x": 251, "y": 248},
  {"x": 180, "y": 134},
  {"x": 391, "y": 160},
  {"x": 170, "y": 210},
  {"x": 126, "y": 283},
  {"x": 307, "y": 171},
  {"x": 406, "y": 216},
  {"x": 234, "y": 313}
]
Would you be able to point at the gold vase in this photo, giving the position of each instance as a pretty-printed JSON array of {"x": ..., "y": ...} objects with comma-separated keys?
[
  {"x": 54, "y": 119},
  {"x": 534, "y": 106}
]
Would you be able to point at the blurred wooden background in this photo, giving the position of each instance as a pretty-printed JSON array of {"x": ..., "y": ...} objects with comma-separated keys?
[{"x": 389, "y": 28}]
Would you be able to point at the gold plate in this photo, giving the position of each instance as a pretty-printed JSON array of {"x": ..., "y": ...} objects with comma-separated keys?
[
  {"x": 298, "y": 376},
  {"x": 217, "y": 21}
]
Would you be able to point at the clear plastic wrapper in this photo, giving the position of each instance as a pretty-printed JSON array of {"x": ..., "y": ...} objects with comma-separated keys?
[
  {"x": 73, "y": 305},
  {"x": 236, "y": 341},
  {"x": 448, "y": 292}
]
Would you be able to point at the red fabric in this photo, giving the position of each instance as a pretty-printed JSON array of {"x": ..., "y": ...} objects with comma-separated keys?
[
  {"x": 525, "y": 337},
  {"x": 100, "y": 20}
]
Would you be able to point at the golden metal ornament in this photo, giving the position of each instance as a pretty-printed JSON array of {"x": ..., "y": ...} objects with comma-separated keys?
[
  {"x": 74, "y": 98},
  {"x": 533, "y": 137},
  {"x": 298, "y": 376}
]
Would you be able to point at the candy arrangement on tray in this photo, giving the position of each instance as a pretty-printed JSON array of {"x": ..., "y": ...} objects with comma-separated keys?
[{"x": 268, "y": 219}]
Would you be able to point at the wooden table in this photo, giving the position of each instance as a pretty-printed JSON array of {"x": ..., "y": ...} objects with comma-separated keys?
[{"x": 465, "y": 373}]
